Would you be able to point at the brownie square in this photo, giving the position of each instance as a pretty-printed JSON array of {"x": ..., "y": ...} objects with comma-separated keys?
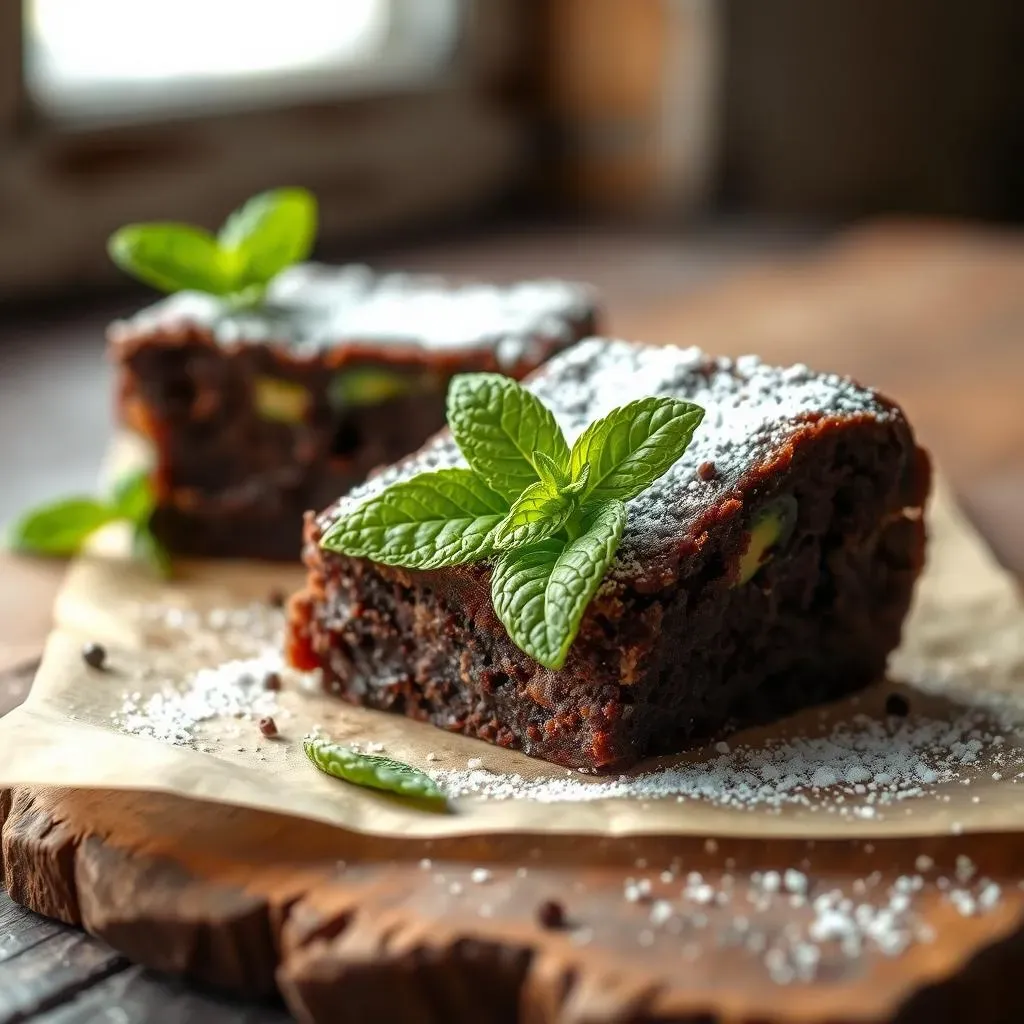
[
  {"x": 770, "y": 569},
  {"x": 258, "y": 415}
]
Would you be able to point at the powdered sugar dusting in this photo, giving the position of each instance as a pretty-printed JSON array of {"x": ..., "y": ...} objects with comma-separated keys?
[
  {"x": 797, "y": 924},
  {"x": 234, "y": 653},
  {"x": 314, "y": 306},
  {"x": 864, "y": 769},
  {"x": 234, "y": 689}
]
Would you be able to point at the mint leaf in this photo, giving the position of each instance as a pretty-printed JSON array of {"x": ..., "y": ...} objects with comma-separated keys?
[
  {"x": 632, "y": 446},
  {"x": 172, "y": 258},
  {"x": 550, "y": 472},
  {"x": 146, "y": 548},
  {"x": 498, "y": 425},
  {"x": 446, "y": 517},
  {"x": 133, "y": 497},
  {"x": 271, "y": 231},
  {"x": 537, "y": 514},
  {"x": 541, "y": 592},
  {"x": 62, "y": 528},
  {"x": 579, "y": 485},
  {"x": 372, "y": 771}
]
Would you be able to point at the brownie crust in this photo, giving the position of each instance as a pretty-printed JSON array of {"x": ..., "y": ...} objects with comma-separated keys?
[{"x": 674, "y": 649}]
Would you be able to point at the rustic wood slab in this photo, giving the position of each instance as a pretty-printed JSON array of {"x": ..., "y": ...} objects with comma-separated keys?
[{"x": 350, "y": 929}]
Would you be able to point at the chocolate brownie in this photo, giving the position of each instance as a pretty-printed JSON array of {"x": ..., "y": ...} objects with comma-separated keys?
[
  {"x": 770, "y": 569},
  {"x": 258, "y": 415}
]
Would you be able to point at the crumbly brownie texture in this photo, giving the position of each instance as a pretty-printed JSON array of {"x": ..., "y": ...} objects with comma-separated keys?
[
  {"x": 674, "y": 648},
  {"x": 253, "y": 415}
]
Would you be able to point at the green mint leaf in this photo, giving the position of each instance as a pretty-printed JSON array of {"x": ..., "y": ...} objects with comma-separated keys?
[
  {"x": 372, "y": 771},
  {"x": 541, "y": 592},
  {"x": 133, "y": 496},
  {"x": 446, "y": 517},
  {"x": 550, "y": 472},
  {"x": 633, "y": 445},
  {"x": 172, "y": 258},
  {"x": 498, "y": 425},
  {"x": 538, "y": 513},
  {"x": 271, "y": 231},
  {"x": 62, "y": 528},
  {"x": 579, "y": 485},
  {"x": 146, "y": 548}
]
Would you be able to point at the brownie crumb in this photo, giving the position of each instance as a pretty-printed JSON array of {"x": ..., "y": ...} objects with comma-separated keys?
[
  {"x": 94, "y": 655},
  {"x": 277, "y": 598},
  {"x": 551, "y": 914},
  {"x": 272, "y": 682},
  {"x": 897, "y": 705},
  {"x": 707, "y": 471},
  {"x": 268, "y": 726}
]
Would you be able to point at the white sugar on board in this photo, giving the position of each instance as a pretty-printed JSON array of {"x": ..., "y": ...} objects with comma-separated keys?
[
  {"x": 834, "y": 925},
  {"x": 232, "y": 689}
]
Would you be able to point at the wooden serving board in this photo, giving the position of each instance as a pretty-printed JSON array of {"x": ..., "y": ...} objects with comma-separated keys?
[
  {"x": 351, "y": 929},
  {"x": 245, "y": 901}
]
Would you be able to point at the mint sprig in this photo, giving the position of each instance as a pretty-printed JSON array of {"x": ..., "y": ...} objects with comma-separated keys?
[
  {"x": 61, "y": 529},
  {"x": 550, "y": 516},
  {"x": 270, "y": 232}
]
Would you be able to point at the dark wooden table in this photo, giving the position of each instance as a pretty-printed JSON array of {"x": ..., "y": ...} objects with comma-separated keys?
[{"x": 963, "y": 393}]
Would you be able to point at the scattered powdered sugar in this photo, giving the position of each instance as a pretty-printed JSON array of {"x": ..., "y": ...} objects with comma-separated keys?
[
  {"x": 828, "y": 922},
  {"x": 234, "y": 650},
  {"x": 234, "y": 689},
  {"x": 861, "y": 769},
  {"x": 799, "y": 925},
  {"x": 315, "y": 306}
]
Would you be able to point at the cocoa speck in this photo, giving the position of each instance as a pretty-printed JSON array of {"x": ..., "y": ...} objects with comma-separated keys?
[
  {"x": 551, "y": 914},
  {"x": 268, "y": 726},
  {"x": 897, "y": 705},
  {"x": 94, "y": 655}
]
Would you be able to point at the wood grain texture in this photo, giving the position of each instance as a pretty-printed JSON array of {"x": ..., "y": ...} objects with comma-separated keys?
[
  {"x": 136, "y": 995},
  {"x": 350, "y": 928}
]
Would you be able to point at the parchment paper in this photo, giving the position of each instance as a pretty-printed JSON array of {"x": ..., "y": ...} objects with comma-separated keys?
[{"x": 964, "y": 646}]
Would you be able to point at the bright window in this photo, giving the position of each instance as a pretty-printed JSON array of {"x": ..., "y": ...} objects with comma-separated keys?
[{"x": 132, "y": 57}]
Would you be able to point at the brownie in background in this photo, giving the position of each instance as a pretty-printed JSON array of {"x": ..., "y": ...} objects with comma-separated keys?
[{"x": 258, "y": 415}]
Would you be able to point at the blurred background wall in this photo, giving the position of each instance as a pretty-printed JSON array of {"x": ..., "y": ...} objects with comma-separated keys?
[{"x": 415, "y": 115}]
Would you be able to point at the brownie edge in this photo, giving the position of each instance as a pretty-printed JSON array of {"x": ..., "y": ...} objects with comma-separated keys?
[{"x": 681, "y": 642}]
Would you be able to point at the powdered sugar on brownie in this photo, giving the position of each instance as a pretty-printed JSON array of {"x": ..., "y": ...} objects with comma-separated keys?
[
  {"x": 751, "y": 410},
  {"x": 312, "y": 307}
]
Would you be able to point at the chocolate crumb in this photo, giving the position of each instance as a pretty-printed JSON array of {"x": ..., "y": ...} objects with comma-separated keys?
[
  {"x": 268, "y": 726},
  {"x": 94, "y": 655},
  {"x": 897, "y": 705},
  {"x": 272, "y": 681},
  {"x": 551, "y": 914},
  {"x": 707, "y": 471},
  {"x": 277, "y": 598}
]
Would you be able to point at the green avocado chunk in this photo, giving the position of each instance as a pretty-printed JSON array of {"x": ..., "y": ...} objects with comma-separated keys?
[
  {"x": 370, "y": 386},
  {"x": 771, "y": 528}
]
